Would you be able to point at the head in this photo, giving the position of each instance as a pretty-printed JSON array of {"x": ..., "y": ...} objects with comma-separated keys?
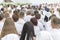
[
  {"x": 28, "y": 13},
  {"x": 55, "y": 23},
  {"x": 6, "y": 15},
  {"x": 34, "y": 21},
  {"x": 37, "y": 16},
  {"x": 8, "y": 27},
  {"x": 21, "y": 14},
  {"x": 27, "y": 24},
  {"x": 36, "y": 12},
  {"x": 51, "y": 10},
  {"x": 15, "y": 17},
  {"x": 2, "y": 9},
  {"x": 16, "y": 12},
  {"x": 32, "y": 14}
]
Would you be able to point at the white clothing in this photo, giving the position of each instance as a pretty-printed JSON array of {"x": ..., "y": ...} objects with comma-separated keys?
[
  {"x": 36, "y": 29},
  {"x": 19, "y": 25},
  {"x": 27, "y": 18},
  {"x": 55, "y": 33},
  {"x": 44, "y": 35},
  {"x": 48, "y": 26},
  {"x": 40, "y": 25},
  {"x": 10, "y": 37}
]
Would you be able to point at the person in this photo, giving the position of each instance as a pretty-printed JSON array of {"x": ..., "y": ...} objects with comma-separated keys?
[
  {"x": 35, "y": 24},
  {"x": 28, "y": 16},
  {"x": 49, "y": 26},
  {"x": 54, "y": 34},
  {"x": 20, "y": 22},
  {"x": 8, "y": 28},
  {"x": 44, "y": 35},
  {"x": 58, "y": 13},
  {"x": 11, "y": 37},
  {"x": 40, "y": 21},
  {"x": 15, "y": 17},
  {"x": 28, "y": 32}
]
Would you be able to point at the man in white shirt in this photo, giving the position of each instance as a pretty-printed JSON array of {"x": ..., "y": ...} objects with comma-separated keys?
[
  {"x": 54, "y": 34},
  {"x": 28, "y": 16}
]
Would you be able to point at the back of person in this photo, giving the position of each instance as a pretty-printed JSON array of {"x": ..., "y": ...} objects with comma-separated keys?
[
  {"x": 27, "y": 32},
  {"x": 11, "y": 37},
  {"x": 44, "y": 35},
  {"x": 19, "y": 24},
  {"x": 55, "y": 32},
  {"x": 28, "y": 16},
  {"x": 8, "y": 28}
]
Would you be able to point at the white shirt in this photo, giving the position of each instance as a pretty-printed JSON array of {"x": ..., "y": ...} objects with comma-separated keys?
[
  {"x": 48, "y": 26},
  {"x": 55, "y": 33},
  {"x": 40, "y": 25},
  {"x": 27, "y": 18},
  {"x": 19, "y": 25},
  {"x": 44, "y": 35},
  {"x": 10, "y": 37},
  {"x": 36, "y": 29}
]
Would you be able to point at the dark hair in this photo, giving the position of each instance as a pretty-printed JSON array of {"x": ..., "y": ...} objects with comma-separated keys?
[
  {"x": 16, "y": 11},
  {"x": 15, "y": 17},
  {"x": 28, "y": 12},
  {"x": 29, "y": 30},
  {"x": 36, "y": 12},
  {"x": 2, "y": 9},
  {"x": 34, "y": 21},
  {"x": 8, "y": 5},
  {"x": 46, "y": 19},
  {"x": 1, "y": 17},
  {"x": 37, "y": 16}
]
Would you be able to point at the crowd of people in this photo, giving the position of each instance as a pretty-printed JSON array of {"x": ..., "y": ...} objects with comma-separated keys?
[{"x": 30, "y": 22}]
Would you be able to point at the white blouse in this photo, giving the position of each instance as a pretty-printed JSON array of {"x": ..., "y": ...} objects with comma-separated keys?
[
  {"x": 19, "y": 25},
  {"x": 55, "y": 33},
  {"x": 27, "y": 18},
  {"x": 10, "y": 37},
  {"x": 44, "y": 35}
]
